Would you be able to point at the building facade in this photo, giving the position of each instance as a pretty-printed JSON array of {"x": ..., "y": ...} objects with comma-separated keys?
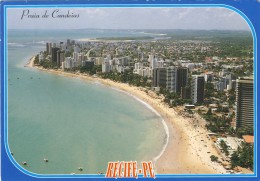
[
  {"x": 197, "y": 88},
  {"x": 182, "y": 78},
  {"x": 159, "y": 77},
  {"x": 171, "y": 79},
  {"x": 54, "y": 51},
  {"x": 245, "y": 104}
]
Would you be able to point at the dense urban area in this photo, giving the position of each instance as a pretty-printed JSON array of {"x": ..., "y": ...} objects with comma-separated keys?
[{"x": 200, "y": 73}]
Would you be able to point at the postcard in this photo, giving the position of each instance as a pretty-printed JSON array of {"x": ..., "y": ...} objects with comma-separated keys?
[{"x": 131, "y": 90}]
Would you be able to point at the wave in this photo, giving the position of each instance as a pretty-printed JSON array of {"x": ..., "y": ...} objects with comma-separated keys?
[
  {"x": 155, "y": 34},
  {"x": 39, "y": 42},
  {"x": 162, "y": 120},
  {"x": 36, "y": 42},
  {"x": 16, "y": 44}
]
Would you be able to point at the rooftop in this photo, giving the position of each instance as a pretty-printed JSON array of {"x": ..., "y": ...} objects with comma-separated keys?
[{"x": 248, "y": 138}]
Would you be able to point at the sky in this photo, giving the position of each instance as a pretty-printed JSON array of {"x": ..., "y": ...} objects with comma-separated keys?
[{"x": 128, "y": 18}]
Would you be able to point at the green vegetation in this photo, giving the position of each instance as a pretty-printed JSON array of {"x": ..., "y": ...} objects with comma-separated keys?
[
  {"x": 47, "y": 64},
  {"x": 36, "y": 60},
  {"x": 218, "y": 124},
  {"x": 209, "y": 90},
  {"x": 214, "y": 158},
  {"x": 244, "y": 156},
  {"x": 127, "y": 77},
  {"x": 91, "y": 69},
  {"x": 224, "y": 147}
]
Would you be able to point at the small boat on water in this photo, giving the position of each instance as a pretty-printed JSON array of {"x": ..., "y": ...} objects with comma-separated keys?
[
  {"x": 24, "y": 163},
  {"x": 12, "y": 153},
  {"x": 72, "y": 173},
  {"x": 46, "y": 160},
  {"x": 80, "y": 168}
]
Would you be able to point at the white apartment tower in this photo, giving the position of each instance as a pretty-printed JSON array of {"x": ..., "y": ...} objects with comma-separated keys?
[{"x": 171, "y": 78}]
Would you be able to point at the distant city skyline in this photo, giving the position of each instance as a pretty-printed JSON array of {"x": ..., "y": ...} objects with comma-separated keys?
[{"x": 130, "y": 18}]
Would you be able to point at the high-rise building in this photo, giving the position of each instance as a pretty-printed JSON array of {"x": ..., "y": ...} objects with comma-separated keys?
[
  {"x": 68, "y": 63},
  {"x": 106, "y": 67},
  {"x": 185, "y": 93},
  {"x": 153, "y": 61},
  {"x": 245, "y": 104},
  {"x": 182, "y": 78},
  {"x": 54, "y": 51},
  {"x": 197, "y": 89},
  {"x": 60, "y": 57},
  {"x": 171, "y": 78},
  {"x": 48, "y": 47},
  {"x": 159, "y": 77},
  {"x": 88, "y": 64},
  {"x": 68, "y": 42},
  {"x": 41, "y": 57}
]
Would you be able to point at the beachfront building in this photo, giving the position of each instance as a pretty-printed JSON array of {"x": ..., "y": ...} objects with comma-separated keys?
[
  {"x": 142, "y": 70},
  {"x": 159, "y": 77},
  {"x": 122, "y": 60},
  {"x": 60, "y": 57},
  {"x": 245, "y": 104},
  {"x": 48, "y": 47},
  {"x": 171, "y": 78},
  {"x": 88, "y": 64},
  {"x": 182, "y": 78},
  {"x": 185, "y": 92},
  {"x": 138, "y": 68},
  {"x": 54, "y": 51},
  {"x": 197, "y": 89},
  {"x": 68, "y": 63},
  {"x": 41, "y": 57},
  {"x": 106, "y": 67}
]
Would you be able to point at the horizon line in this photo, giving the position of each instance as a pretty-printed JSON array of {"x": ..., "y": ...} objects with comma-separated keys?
[{"x": 132, "y": 29}]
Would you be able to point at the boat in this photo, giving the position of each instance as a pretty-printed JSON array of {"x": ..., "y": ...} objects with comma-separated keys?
[
  {"x": 80, "y": 168},
  {"x": 24, "y": 163},
  {"x": 46, "y": 160}
]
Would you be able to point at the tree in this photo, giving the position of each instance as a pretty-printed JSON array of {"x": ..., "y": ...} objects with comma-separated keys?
[
  {"x": 214, "y": 158},
  {"x": 244, "y": 156},
  {"x": 224, "y": 147}
]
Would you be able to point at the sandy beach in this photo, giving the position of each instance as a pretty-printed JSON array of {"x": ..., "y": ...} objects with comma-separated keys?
[{"x": 188, "y": 150}]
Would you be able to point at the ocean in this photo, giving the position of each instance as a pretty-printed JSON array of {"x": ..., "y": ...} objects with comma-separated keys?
[{"x": 72, "y": 122}]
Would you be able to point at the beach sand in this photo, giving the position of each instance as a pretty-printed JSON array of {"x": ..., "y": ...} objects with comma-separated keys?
[{"x": 188, "y": 150}]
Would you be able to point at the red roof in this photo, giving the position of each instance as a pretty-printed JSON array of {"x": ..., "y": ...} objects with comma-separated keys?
[{"x": 248, "y": 138}]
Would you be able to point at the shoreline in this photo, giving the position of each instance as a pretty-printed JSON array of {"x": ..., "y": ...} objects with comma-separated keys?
[{"x": 188, "y": 149}]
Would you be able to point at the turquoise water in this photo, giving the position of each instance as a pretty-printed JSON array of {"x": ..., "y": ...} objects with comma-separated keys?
[{"x": 73, "y": 123}]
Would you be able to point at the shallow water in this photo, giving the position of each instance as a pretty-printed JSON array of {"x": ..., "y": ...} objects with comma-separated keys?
[{"x": 73, "y": 123}]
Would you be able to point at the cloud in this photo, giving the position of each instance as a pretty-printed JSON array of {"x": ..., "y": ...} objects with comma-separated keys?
[{"x": 134, "y": 18}]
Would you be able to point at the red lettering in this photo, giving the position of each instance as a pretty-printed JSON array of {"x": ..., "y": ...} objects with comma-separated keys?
[
  {"x": 150, "y": 167},
  {"x": 109, "y": 169},
  {"x": 134, "y": 169},
  {"x": 145, "y": 167}
]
